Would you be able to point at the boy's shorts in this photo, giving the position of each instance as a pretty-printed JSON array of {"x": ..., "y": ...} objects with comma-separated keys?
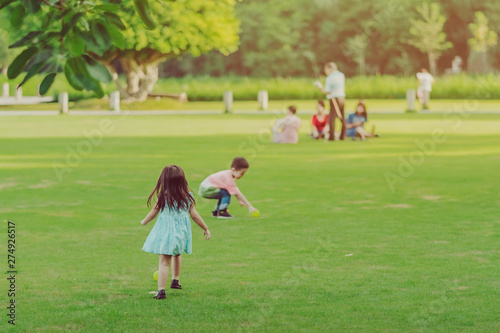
[{"x": 206, "y": 190}]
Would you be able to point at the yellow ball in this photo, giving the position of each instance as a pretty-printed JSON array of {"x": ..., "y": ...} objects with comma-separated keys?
[
  {"x": 255, "y": 213},
  {"x": 155, "y": 276}
]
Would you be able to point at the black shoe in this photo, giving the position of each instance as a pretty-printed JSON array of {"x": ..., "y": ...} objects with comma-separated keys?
[
  {"x": 224, "y": 214},
  {"x": 175, "y": 285},
  {"x": 160, "y": 294},
  {"x": 215, "y": 213}
]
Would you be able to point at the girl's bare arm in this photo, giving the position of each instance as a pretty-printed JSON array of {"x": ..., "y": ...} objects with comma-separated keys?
[
  {"x": 199, "y": 221},
  {"x": 151, "y": 215}
]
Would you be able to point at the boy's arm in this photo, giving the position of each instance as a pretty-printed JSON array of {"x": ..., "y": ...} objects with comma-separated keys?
[
  {"x": 199, "y": 221},
  {"x": 151, "y": 215},
  {"x": 244, "y": 202}
]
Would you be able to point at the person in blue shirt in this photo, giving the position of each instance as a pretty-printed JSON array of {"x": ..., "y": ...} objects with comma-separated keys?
[
  {"x": 335, "y": 92},
  {"x": 355, "y": 124}
]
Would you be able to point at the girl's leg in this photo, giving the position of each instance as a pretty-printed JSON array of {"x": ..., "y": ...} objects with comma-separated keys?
[
  {"x": 361, "y": 132},
  {"x": 364, "y": 134},
  {"x": 163, "y": 266},
  {"x": 315, "y": 133},
  {"x": 176, "y": 269}
]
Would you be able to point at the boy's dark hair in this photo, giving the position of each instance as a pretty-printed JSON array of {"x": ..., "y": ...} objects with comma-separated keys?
[
  {"x": 320, "y": 102},
  {"x": 240, "y": 163},
  {"x": 292, "y": 109}
]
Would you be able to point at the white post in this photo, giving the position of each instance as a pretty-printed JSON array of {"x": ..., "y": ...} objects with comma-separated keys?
[
  {"x": 63, "y": 103},
  {"x": 114, "y": 101},
  {"x": 183, "y": 97},
  {"x": 411, "y": 95},
  {"x": 228, "y": 101},
  {"x": 263, "y": 100},
  {"x": 19, "y": 93},
  {"x": 5, "y": 90}
]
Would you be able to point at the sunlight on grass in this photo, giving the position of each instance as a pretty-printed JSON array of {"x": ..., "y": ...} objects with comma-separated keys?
[
  {"x": 200, "y": 125},
  {"x": 334, "y": 240}
]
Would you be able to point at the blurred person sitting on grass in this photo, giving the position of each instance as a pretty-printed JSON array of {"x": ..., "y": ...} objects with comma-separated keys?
[
  {"x": 286, "y": 130},
  {"x": 319, "y": 122},
  {"x": 356, "y": 121}
]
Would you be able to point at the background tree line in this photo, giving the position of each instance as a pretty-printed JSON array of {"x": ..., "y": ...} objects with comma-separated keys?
[
  {"x": 92, "y": 42},
  {"x": 296, "y": 37}
]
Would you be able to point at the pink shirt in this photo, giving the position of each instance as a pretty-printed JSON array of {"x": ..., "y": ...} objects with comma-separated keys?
[{"x": 224, "y": 179}]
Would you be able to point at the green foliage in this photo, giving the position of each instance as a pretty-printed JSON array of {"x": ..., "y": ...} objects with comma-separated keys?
[
  {"x": 192, "y": 26},
  {"x": 53, "y": 40},
  {"x": 6, "y": 54},
  {"x": 361, "y": 87},
  {"x": 483, "y": 37},
  {"x": 20, "y": 61},
  {"x": 356, "y": 48},
  {"x": 145, "y": 13},
  {"x": 296, "y": 38},
  {"x": 459, "y": 87},
  {"x": 47, "y": 83},
  {"x": 427, "y": 33},
  {"x": 106, "y": 31}
]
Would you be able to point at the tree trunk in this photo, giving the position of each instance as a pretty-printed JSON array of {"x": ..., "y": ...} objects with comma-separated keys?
[
  {"x": 484, "y": 60},
  {"x": 432, "y": 63},
  {"x": 141, "y": 79},
  {"x": 362, "y": 70}
]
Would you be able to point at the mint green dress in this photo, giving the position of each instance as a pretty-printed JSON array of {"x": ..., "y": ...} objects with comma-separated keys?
[{"x": 171, "y": 234}]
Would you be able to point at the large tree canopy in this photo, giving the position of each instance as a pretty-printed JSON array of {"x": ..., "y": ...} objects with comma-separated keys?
[
  {"x": 190, "y": 26},
  {"x": 86, "y": 39}
]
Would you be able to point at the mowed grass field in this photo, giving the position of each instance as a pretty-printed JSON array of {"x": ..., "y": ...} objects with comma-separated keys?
[{"x": 395, "y": 234}]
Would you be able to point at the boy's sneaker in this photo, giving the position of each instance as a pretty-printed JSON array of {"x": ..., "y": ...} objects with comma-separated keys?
[
  {"x": 224, "y": 214},
  {"x": 215, "y": 213},
  {"x": 160, "y": 294},
  {"x": 175, "y": 285}
]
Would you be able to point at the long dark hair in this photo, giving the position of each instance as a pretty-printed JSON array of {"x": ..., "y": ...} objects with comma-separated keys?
[
  {"x": 172, "y": 190},
  {"x": 364, "y": 109}
]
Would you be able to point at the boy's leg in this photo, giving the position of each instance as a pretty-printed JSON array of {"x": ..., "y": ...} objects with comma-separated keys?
[{"x": 225, "y": 199}]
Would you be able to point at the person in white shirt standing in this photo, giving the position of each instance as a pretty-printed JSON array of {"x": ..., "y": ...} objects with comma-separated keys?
[
  {"x": 335, "y": 92},
  {"x": 425, "y": 81}
]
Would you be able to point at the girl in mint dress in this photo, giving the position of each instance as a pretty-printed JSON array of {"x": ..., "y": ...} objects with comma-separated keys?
[{"x": 171, "y": 235}]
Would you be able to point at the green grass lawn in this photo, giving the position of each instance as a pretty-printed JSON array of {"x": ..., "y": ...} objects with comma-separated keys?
[{"x": 337, "y": 248}]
